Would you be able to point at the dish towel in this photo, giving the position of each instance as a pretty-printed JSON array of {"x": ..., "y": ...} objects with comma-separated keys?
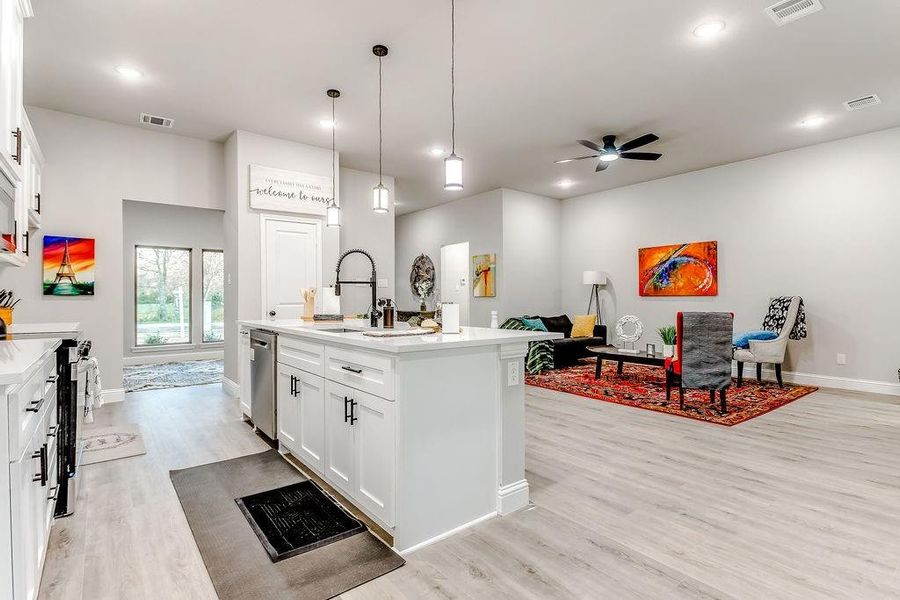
[
  {"x": 777, "y": 315},
  {"x": 93, "y": 394}
]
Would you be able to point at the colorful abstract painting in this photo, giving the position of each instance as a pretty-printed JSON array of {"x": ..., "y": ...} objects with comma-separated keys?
[
  {"x": 68, "y": 266},
  {"x": 679, "y": 270},
  {"x": 484, "y": 275}
]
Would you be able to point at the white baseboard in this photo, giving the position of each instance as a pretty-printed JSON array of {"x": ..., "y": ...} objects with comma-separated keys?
[
  {"x": 823, "y": 381},
  {"x": 155, "y": 358},
  {"x": 231, "y": 388},
  {"x": 512, "y": 497},
  {"x": 113, "y": 395},
  {"x": 447, "y": 534}
]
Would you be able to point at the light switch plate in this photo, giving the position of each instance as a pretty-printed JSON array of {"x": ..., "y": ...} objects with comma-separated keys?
[
  {"x": 382, "y": 282},
  {"x": 842, "y": 359},
  {"x": 512, "y": 374}
]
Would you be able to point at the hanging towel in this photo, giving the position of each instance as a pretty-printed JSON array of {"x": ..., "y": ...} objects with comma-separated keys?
[
  {"x": 777, "y": 315},
  {"x": 93, "y": 397}
]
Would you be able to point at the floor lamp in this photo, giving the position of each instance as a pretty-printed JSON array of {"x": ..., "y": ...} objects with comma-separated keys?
[{"x": 594, "y": 279}]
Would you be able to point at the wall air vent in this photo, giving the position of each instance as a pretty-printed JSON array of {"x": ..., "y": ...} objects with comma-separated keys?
[
  {"x": 791, "y": 10},
  {"x": 864, "y": 102},
  {"x": 157, "y": 121}
]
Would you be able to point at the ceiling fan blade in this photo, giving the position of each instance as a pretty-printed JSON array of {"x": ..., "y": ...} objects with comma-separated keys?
[
  {"x": 640, "y": 155},
  {"x": 638, "y": 142},
  {"x": 565, "y": 160},
  {"x": 591, "y": 145},
  {"x": 601, "y": 166}
]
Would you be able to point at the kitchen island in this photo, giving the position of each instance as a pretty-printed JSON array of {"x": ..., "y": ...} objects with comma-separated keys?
[{"x": 424, "y": 434}]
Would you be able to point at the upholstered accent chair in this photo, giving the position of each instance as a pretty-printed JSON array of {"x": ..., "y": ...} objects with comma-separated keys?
[
  {"x": 769, "y": 351},
  {"x": 702, "y": 357}
]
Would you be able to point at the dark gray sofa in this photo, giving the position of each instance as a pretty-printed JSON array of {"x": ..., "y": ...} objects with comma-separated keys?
[{"x": 568, "y": 350}]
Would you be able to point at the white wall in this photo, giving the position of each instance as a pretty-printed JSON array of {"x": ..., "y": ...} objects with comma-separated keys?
[
  {"x": 150, "y": 224},
  {"x": 821, "y": 222},
  {"x": 477, "y": 220},
  {"x": 531, "y": 247},
  {"x": 91, "y": 167}
]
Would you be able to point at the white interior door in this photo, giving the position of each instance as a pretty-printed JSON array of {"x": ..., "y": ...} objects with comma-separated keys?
[
  {"x": 455, "y": 278},
  {"x": 291, "y": 251}
]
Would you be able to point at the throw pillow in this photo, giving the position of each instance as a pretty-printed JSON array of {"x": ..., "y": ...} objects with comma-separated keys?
[
  {"x": 584, "y": 326},
  {"x": 535, "y": 324},
  {"x": 743, "y": 340},
  {"x": 560, "y": 324}
]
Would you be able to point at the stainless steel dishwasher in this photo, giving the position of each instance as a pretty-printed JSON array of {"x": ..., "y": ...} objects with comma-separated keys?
[{"x": 262, "y": 381}]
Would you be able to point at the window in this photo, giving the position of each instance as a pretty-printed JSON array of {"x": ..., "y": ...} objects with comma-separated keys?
[
  {"x": 213, "y": 296},
  {"x": 162, "y": 295}
]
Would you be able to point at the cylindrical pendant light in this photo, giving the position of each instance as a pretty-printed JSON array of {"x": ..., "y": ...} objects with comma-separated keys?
[
  {"x": 333, "y": 212},
  {"x": 453, "y": 179},
  {"x": 380, "y": 195}
]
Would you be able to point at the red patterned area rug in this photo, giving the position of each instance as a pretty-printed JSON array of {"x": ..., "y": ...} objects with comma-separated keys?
[{"x": 645, "y": 387}]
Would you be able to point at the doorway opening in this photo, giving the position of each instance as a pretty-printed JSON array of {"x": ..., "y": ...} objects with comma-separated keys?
[{"x": 455, "y": 278}]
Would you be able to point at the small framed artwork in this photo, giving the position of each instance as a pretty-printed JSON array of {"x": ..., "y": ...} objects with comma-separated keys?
[
  {"x": 68, "y": 267},
  {"x": 651, "y": 349},
  {"x": 484, "y": 275}
]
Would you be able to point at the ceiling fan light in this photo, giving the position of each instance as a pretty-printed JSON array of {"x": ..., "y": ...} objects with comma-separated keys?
[
  {"x": 609, "y": 156},
  {"x": 453, "y": 176},
  {"x": 380, "y": 198}
]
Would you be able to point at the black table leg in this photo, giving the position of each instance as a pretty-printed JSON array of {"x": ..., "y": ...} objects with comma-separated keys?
[
  {"x": 619, "y": 368},
  {"x": 722, "y": 400},
  {"x": 599, "y": 368},
  {"x": 758, "y": 372},
  {"x": 778, "y": 375},
  {"x": 740, "y": 373}
]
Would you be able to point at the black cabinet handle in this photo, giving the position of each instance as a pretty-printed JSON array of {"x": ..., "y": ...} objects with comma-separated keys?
[
  {"x": 17, "y": 133},
  {"x": 38, "y": 198},
  {"x": 35, "y": 406},
  {"x": 351, "y": 369},
  {"x": 26, "y": 239},
  {"x": 51, "y": 432},
  {"x": 42, "y": 476},
  {"x": 293, "y": 386},
  {"x": 346, "y": 404},
  {"x": 54, "y": 492},
  {"x": 353, "y": 418}
]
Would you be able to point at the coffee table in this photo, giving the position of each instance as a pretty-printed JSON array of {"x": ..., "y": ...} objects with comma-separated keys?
[{"x": 615, "y": 354}]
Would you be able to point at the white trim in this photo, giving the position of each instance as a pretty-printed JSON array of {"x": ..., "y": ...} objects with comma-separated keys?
[
  {"x": 155, "y": 359},
  {"x": 150, "y": 349},
  {"x": 822, "y": 381},
  {"x": 114, "y": 395},
  {"x": 446, "y": 534},
  {"x": 231, "y": 388},
  {"x": 264, "y": 218},
  {"x": 512, "y": 497}
]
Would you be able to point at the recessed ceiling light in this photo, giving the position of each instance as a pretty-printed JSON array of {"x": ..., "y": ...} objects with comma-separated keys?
[
  {"x": 812, "y": 122},
  {"x": 436, "y": 151},
  {"x": 565, "y": 183},
  {"x": 709, "y": 29},
  {"x": 327, "y": 123},
  {"x": 128, "y": 72}
]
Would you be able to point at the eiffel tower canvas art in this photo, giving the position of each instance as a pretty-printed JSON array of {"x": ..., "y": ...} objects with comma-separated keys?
[{"x": 68, "y": 266}]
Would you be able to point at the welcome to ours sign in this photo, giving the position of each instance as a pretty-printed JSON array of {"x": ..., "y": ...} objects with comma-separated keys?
[{"x": 289, "y": 191}]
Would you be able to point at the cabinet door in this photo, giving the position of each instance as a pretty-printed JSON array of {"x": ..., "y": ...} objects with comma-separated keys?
[
  {"x": 374, "y": 461},
  {"x": 311, "y": 429},
  {"x": 25, "y": 517},
  {"x": 339, "y": 450},
  {"x": 11, "y": 70},
  {"x": 287, "y": 407},
  {"x": 245, "y": 372}
]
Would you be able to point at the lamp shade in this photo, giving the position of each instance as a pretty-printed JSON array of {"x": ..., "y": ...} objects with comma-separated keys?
[
  {"x": 593, "y": 278},
  {"x": 333, "y": 215},
  {"x": 380, "y": 199},
  {"x": 453, "y": 176}
]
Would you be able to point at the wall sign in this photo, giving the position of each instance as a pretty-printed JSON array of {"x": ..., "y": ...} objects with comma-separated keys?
[{"x": 289, "y": 191}]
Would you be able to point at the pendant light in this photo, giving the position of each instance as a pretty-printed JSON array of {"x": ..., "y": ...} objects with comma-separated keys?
[
  {"x": 380, "y": 195},
  {"x": 453, "y": 179},
  {"x": 333, "y": 212}
]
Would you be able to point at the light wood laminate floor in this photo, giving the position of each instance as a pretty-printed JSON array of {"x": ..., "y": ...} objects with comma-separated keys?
[{"x": 803, "y": 502}]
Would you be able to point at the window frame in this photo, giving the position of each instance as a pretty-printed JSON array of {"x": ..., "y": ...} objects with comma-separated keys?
[
  {"x": 190, "y": 341},
  {"x": 221, "y": 251}
]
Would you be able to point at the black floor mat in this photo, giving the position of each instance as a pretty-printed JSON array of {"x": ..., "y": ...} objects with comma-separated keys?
[{"x": 297, "y": 518}]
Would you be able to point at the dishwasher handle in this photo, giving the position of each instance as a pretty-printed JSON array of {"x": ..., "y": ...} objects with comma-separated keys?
[{"x": 254, "y": 343}]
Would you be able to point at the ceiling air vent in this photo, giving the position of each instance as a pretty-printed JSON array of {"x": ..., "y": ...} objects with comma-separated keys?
[
  {"x": 791, "y": 10},
  {"x": 864, "y": 102},
  {"x": 156, "y": 121}
]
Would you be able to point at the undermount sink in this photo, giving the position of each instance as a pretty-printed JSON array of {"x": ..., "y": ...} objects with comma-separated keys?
[{"x": 340, "y": 330}]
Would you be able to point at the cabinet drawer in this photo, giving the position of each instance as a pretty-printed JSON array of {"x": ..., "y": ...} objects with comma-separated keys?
[
  {"x": 373, "y": 373},
  {"x": 27, "y": 406},
  {"x": 302, "y": 355}
]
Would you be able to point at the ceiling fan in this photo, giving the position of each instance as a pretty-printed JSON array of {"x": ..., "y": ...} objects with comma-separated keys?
[{"x": 608, "y": 152}]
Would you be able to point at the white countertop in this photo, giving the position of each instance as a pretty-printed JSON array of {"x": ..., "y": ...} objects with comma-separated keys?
[
  {"x": 19, "y": 357},
  {"x": 68, "y": 329},
  {"x": 469, "y": 336}
]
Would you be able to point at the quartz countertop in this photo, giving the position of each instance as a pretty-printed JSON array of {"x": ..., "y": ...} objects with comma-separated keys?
[
  {"x": 67, "y": 329},
  {"x": 19, "y": 357},
  {"x": 467, "y": 338}
]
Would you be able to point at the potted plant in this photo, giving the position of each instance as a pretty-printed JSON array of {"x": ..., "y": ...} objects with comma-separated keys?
[{"x": 667, "y": 335}]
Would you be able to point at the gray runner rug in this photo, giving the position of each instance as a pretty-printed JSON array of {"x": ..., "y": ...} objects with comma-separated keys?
[{"x": 236, "y": 561}]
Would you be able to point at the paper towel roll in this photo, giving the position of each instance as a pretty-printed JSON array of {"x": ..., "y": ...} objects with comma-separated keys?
[
  {"x": 449, "y": 317},
  {"x": 331, "y": 304}
]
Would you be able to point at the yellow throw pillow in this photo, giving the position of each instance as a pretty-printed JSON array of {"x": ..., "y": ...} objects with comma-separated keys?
[{"x": 584, "y": 326}]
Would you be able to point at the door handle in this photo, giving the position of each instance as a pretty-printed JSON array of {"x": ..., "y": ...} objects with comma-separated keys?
[
  {"x": 353, "y": 418},
  {"x": 346, "y": 414},
  {"x": 351, "y": 369}
]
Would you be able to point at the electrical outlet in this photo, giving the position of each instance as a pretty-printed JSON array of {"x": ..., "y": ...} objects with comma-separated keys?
[
  {"x": 841, "y": 359},
  {"x": 382, "y": 282},
  {"x": 512, "y": 374}
]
